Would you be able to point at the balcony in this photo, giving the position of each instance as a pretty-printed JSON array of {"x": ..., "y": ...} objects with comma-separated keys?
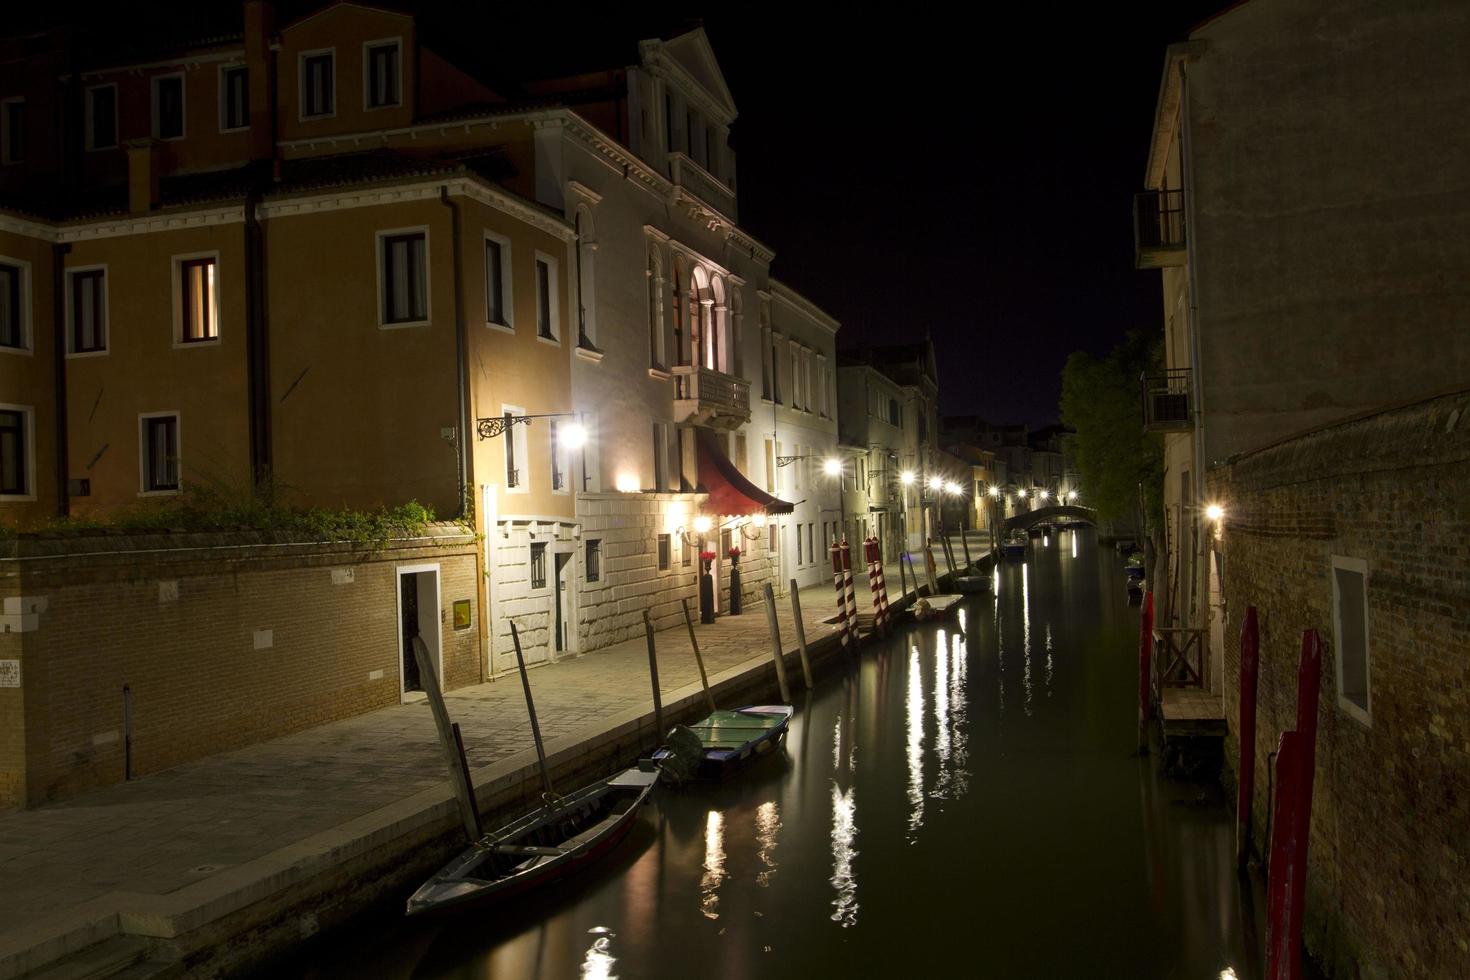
[
  {"x": 710, "y": 398},
  {"x": 1158, "y": 229},
  {"x": 700, "y": 192},
  {"x": 1166, "y": 401}
]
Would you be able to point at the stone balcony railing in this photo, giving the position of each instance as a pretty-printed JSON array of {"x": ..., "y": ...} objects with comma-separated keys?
[
  {"x": 694, "y": 179},
  {"x": 710, "y": 398}
]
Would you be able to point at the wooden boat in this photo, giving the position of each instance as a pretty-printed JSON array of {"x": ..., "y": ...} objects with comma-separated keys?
[
  {"x": 557, "y": 840},
  {"x": 729, "y": 739},
  {"x": 971, "y": 583},
  {"x": 1134, "y": 565},
  {"x": 1014, "y": 545},
  {"x": 934, "y": 606}
]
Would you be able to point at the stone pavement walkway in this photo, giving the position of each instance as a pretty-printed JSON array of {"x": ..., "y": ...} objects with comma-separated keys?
[{"x": 173, "y": 829}]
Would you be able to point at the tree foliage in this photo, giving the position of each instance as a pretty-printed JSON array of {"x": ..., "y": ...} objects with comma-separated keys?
[{"x": 1101, "y": 399}]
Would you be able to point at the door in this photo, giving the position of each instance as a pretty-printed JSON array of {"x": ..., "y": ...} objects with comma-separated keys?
[
  {"x": 408, "y": 628},
  {"x": 563, "y": 604},
  {"x": 418, "y": 615}
]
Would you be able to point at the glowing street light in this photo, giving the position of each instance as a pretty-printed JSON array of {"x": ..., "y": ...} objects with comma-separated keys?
[
  {"x": 1043, "y": 494},
  {"x": 573, "y": 436},
  {"x": 995, "y": 491},
  {"x": 935, "y": 483},
  {"x": 702, "y": 524},
  {"x": 1071, "y": 495},
  {"x": 1214, "y": 512},
  {"x": 907, "y": 477},
  {"x": 832, "y": 467},
  {"x": 952, "y": 488}
]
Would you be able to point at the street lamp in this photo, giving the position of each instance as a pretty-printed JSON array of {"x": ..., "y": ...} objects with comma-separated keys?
[{"x": 907, "y": 477}]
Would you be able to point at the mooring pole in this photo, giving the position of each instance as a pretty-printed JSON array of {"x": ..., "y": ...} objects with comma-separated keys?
[
  {"x": 698, "y": 659},
  {"x": 1145, "y": 665},
  {"x": 658, "y": 705},
  {"x": 515, "y": 638},
  {"x": 1250, "y": 646},
  {"x": 965, "y": 540},
  {"x": 464, "y": 768},
  {"x": 806, "y": 664},
  {"x": 775, "y": 628},
  {"x": 459, "y": 774}
]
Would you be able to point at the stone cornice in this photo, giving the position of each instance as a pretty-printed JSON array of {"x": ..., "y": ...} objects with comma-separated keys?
[
  {"x": 142, "y": 224},
  {"x": 804, "y": 306},
  {"x": 16, "y": 224}
]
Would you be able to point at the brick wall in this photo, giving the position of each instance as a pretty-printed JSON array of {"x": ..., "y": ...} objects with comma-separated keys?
[
  {"x": 221, "y": 640},
  {"x": 1389, "y": 856}
]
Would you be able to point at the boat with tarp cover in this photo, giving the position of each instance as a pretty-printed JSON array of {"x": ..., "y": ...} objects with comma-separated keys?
[{"x": 728, "y": 738}]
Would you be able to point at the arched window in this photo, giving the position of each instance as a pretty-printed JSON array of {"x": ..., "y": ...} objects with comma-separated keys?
[
  {"x": 586, "y": 290},
  {"x": 680, "y": 298},
  {"x": 698, "y": 312},
  {"x": 715, "y": 356}
]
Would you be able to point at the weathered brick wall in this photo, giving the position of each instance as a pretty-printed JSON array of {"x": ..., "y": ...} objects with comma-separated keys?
[
  {"x": 1389, "y": 879},
  {"x": 182, "y": 621}
]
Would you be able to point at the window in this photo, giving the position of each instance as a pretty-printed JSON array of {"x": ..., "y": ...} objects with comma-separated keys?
[
  {"x": 14, "y": 306},
  {"x": 13, "y": 130},
  {"x": 558, "y": 471},
  {"x": 516, "y": 455},
  {"x": 893, "y": 417},
  {"x": 669, "y": 120},
  {"x": 546, "y": 318},
  {"x": 382, "y": 75},
  {"x": 102, "y": 117},
  {"x": 404, "y": 276},
  {"x": 317, "y": 84},
  {"x": 660, "y": 456},
  {"x": 234, "y": 98},
  {"x": 776, "y": 368},
  {"x": 159, "y": 447},
  {"x": 796, "y": 396},
  {"x": 665, "y": 552},
  {"x": 1350, "y": 620},
  {"x": 586, "y": 279},
  {"x": 770, "y": 467},
  {"x": 198, "y": 300},
  {"x": 811, "y": 532},
  {"x": 594, "y": 559},
  {"x": 775, "y": 531},
  {"x": 538, "y": 565},
  {"x": 497, "y": 280},
  {"x": 655, "y": 310},
  {"x": 15, "y": 451},
  {"x": 767, "y": 389},
  {"x": 686, "y": 553},
  {"x": 87, "y": 312},
  {"x": 742, "y": 456},
  {"x": 168, "y": 107}
]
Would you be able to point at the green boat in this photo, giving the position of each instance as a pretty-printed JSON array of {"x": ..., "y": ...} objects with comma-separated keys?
[{"x": 725, "y": 740}]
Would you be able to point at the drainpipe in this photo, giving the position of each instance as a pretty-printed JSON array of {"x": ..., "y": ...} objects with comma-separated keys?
[
  {"x": 58, "y": 333},
  {"x": 1194, "y": 539},
  {"x": 461, "y": 366},
  {"x": 257, "y": 345}
]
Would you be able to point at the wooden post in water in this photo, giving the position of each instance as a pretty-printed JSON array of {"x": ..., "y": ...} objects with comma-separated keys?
[
  {"x": 658, "y": 705},
  {"x": 965, "y": 540},
  {"x": 806, "y": 663},
  {"x": 698, "y": 659},
  {"x": 459, "y": 774},
  {"x": 776, "y": 642},
  {"x": 515, "y": 638}
]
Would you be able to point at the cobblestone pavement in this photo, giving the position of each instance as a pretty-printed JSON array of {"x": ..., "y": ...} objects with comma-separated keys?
[{"x": 171, "y": 829}]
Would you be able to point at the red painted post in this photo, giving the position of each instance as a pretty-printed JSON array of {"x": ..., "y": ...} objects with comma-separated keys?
[
  {"x": 1250, "y": 647},
  {"x": 841, "y": 595},
  {"x": 852, "y": 616},
  {"x": 1145, "y": 666},
  {"x": 882, "y": 585},
  {"x": 870, "y": 554}
]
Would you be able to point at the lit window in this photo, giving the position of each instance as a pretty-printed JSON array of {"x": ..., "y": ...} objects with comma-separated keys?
[
  {"x": 15, "y": 480},
  {"x": 594, "y": 560},
  {"x": 382, "y": 80},
  {"x": 317, "y": 84},
  {"x": 168, "y": 107},
  {"x": 538, "y": 566},
  {"x": 160, "y": 453},
  {"x": 234, "y": 93},
  {"x": 198, "y": 300},
  {"x": 405, "y": 279}
]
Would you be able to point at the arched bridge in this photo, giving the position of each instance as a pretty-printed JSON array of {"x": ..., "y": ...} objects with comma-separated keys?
[{"x": 1060, "y": 512}]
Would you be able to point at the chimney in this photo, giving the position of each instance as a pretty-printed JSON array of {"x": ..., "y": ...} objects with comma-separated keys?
[
  {"x": 260, "y": 25},
  {"x": 142, "y": 174}
]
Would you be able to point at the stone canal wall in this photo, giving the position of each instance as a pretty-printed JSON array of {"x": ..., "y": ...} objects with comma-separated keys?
[
  {"x": 150, "y": 651},
  {"x": 1389, "y": 854}
]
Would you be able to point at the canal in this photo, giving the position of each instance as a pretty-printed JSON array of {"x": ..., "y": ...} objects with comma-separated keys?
[{"x": 964, "y": 800}]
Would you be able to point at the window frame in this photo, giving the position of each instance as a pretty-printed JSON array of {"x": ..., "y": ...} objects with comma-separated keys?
[
  {"x": 664, "y": 549},
  {"x": 5, "y": 158},
  {"x": 224, "y": 93},
  {"x": 380, "y": 261},
  {"x": 367, "y": 73},
  {"x": 507, "y": 308},
  {"x": 536, "y": 550},
  {"x": 143, "y": 446},
  {"x": 89, "y": 120},
  {"x": 592, "y": 560},
  {"x": 561, "y": 460},
  {"x": 518, "y": 454},
  {"x": 553, "y": 290},
  {"x": 1362, "y": 713},
  {"x": 69, "y": 277},
  {"x": 26, "y": 346},
  {"x": 178, "y": 262},
  {"x": 27, "y": 453},
  {"x": 157, "y": 127},
  {"x": 301, "y": 58}
]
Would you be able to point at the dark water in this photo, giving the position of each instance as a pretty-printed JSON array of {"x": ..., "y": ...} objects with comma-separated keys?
[{"x": 963, "y": 801}]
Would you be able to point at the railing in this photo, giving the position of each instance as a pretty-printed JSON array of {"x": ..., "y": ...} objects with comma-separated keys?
[
  {"x": 1158, "y": 229},
  {"x": 1179, "y": 658},
  {"x": 708, "y": 397},
  {"x": 702, "y": 184},
  {"x": 1166, "y": 400}
]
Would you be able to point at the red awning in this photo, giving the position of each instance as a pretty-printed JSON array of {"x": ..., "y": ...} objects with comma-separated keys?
[{"x": 730, "y": 493}]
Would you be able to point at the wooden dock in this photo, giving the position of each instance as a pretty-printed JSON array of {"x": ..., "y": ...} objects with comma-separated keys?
[{"x": 1188, "y": 712}]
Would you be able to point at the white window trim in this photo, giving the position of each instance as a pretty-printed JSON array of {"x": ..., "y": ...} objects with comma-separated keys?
[
  {"x": 28, "y": 412},
  {"x": 367, "y": 47},
  {"x": 183, "y": 105},
  {"x": 380, "y": 260},
  {"x": 1351, "y": 708},
  {"x": 143, "y": 490},
  {"x": 398, "y": 574},
  {"x": 176, "y": 265},
  {"x": 223, "y": 92},
  {"x": 66, "y": 302},
  {"x": 5, "y": 129},
  {"x": 561, "y": 457},
  {"x": 87, "y": 119},
  {"x": 27, "y": 336},
  {"x": 522, "y": 451},
  {"x": 507, "y": 298},
  {"x": 553, "y": 293},
  {"x": 301, "y": 115},
  {"x": 548, "y": 565}
]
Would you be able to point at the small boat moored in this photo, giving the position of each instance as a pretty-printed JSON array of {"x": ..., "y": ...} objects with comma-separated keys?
[
  {"x": 728, "y": 739},
  {"x": 1015, "y": 543}
]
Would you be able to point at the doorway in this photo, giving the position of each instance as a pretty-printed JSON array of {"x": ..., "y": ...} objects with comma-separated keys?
[
  {"x": 418, "y": 615},
  {"x": 562, "y": 607}
]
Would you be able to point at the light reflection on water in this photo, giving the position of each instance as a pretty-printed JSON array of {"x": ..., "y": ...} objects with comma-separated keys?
[
  {"x": 844, "y": 833},
  {"x": 714, "y": 865},
  {"x": 1026, "y": 636},
  {"x": 767, "y": 826},
  {"x": 915, "y": 744},
  {"x": 598, "y": 963}
]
